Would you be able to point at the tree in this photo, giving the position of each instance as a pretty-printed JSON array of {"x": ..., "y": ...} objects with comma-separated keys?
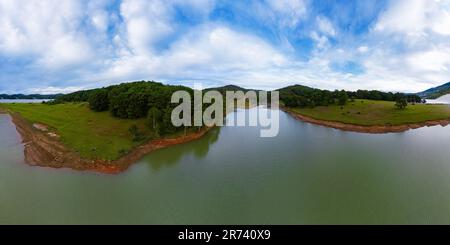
[
  {"x": 98, "y": 100},
  {"x": 137, "y": 135},
  {"x": 119, "y": 105},
  {"x": 137, "y": 105},
  {"x": 291, "y": 101},
  {"x": 154, "y": 118},
  {"x": 342, "y": 97},
  {"x": 401, "y": 103}
]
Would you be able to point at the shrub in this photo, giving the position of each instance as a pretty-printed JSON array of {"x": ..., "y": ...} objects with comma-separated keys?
[
  {"x": 401, "y": 103},
  {"x": 136, "y": 134}
]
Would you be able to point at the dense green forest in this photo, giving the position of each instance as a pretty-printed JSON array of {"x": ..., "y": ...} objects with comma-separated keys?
[
  {"x": 302, "y": 96},
  {"x": 28, "y": 96},
  {"x": 131, "y": 101}
]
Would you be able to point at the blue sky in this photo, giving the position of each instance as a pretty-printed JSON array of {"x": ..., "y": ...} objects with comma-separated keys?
[{"x": 52, "y": 46}]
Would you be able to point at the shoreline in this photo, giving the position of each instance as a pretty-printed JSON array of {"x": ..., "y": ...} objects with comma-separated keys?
[
  {"x": 45, "y": 151},
  {"x": 375, "y": 129}
]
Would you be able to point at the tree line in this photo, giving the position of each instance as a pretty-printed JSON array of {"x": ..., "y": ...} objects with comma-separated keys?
[
  {"x": 29, "y": 96},
  {"x": 386, "y": 96},
  {"x": 302, "y": 96},
  {"x": 135, "y": 100}
]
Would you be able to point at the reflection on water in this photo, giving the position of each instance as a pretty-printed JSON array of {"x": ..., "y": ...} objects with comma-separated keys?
[
  {"x": 441, "y": 100},
  {"x": 306, "y": 175},
  {"x": 199, "y": 149}
]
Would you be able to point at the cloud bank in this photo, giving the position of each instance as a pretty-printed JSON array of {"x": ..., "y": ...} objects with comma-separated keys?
[{"x": 51, "y": 46}]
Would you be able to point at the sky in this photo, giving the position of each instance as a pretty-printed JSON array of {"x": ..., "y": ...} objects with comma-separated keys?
[{"x": 54, "y": 46}]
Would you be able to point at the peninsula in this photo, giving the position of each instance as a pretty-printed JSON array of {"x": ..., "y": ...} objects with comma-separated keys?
[
  {"x": 103, "y": 130},
  {"x": 362, "y": 111}
]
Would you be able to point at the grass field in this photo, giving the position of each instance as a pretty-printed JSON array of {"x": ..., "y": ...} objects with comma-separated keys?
[
  {"x": 94, "y": 135},
  {"x": 369, "y": 112}
]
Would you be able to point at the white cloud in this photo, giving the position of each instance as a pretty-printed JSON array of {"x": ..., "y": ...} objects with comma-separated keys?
[
  {"x": 415, "y": 17},
  {"x": 146, "y": 22},
  {"x": 289, "y": 11},
  {"x": 53, "y": 90},
  {"x": 325, "y": 26},
  {"x": 440, "y": 17},
  {"x": 204, "y": 53},
  {"x": 48, "y": 30},
  {"x": 321, "y": 40},
  {"x": 100, "y": 20},
  {"x": 406, "y": 16},
  {"x": 408, "y": 48},
  {"x": 363, "y": 49},
  {"x": 323, "y": 31},
  {"x": 412, "y": 44},
  {"x": 433, "y": 60},
  {"x": 225, "y": 48}
]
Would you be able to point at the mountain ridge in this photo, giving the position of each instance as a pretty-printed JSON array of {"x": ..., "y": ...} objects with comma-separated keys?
[
  {"x": 28, "y": 96},
  {"x": 435, "y": 92}
]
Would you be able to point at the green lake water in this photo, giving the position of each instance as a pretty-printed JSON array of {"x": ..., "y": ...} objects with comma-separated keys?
[{"x": 306, "y": 175}]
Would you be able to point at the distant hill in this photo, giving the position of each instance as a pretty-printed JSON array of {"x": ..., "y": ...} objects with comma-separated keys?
[
  {"x": 295, "y": 89},
  {"x": 231, "y": 87},
  {"x": 436, "y": 92},
  {"x": 302, "y": 96},
  {"x": 29, "y": 96}
]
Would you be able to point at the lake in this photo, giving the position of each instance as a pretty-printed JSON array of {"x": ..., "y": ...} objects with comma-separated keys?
[
  {"x": 23, "y": 101},
  {"x": 306, "y": 175},
  {"x": 445, "y": 99}
]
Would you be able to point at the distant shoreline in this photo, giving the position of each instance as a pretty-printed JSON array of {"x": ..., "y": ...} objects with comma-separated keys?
[
  {"x": 24, "y": 100},
  {"x": 375, "y": 129}
]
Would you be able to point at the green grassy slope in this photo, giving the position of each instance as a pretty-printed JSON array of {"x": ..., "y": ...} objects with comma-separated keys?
[
  {"x": 369, "y": 112},
  {"x": 94, "y": 135}
]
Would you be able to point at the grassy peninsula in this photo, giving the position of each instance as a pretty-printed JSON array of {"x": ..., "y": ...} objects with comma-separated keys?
[
  {"x": 94, "y": 135},
  {"x": 104, "y": 130},
  {"x": 362, "y": 111},
  {"x": 372, "y": 112}
]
